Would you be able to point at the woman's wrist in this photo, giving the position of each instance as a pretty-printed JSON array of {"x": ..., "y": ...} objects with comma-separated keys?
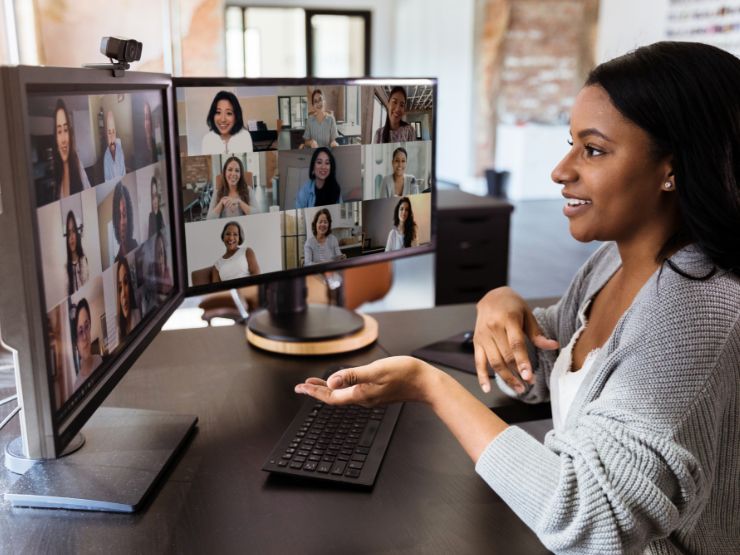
[{"x": 431, "y": 383}]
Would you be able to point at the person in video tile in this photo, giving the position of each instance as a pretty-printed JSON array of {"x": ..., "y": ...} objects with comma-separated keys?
[
  {"x": 69, "y": 174},
  {"x": 151, "y": 145},
  {"x": 156, "y": 220},
  {"x": 227, "y": 132},
  {"x": 322, "y": 188},
  {"x": 399, "y": 184},
  {"x": 162, "y": 275},
  {"x": 78, "y": 271},
  {"x": 82, "y": 342},
  {"x": 128, "y": 311},
  {"x": 231, "y": 198},
  {"x": 395, "y": 130},
  {"x": 322, "y": 246},
  {"x": 236, "y": 262},
  {"x": 321, "y": 127},
  {"x": 403, "y": 233},
  {"x": 123, "y": 223},
  {"x": 114, "y": 164}
]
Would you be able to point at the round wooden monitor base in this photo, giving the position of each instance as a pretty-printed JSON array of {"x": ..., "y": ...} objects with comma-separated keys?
[{"x": 367, "y": 335}]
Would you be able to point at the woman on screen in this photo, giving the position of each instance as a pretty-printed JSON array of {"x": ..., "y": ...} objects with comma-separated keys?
[
  {"x": 399, "y": 183},
  {"x": 395, "y": 130},
  {"x": 128, "y": 312},
  {"x": 69, "y": 174},
  {"x": 162, "y": 274},
  {"x": 82, "y": 342},
  {"x": 227, "y": 132},
  {"x": 232, "y": 192},
  {"x": 322, "y": 188},
  {"x": 322, "y": 246},
  {"x": 235, "y": 262},
  {"x": 640, "y": 356},
  {"x": 151, "y": 144},
  {"x": 78, "y": 271},
  {"x": 403, "y": 233},
  {"x": 156, "y": 219},
  {"x": 123, "y": 220},
  {"x": 321, "y": 127}
]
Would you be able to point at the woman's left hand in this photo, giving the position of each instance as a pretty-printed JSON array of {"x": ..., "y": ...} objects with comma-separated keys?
[{"x": 384, "y": 381}]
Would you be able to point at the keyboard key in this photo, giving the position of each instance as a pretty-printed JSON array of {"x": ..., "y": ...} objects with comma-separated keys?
[
  {"x": 338, "y": 468},
  {"x": 324, "y": 467},
  {"x": 359, "y": 457},
  {"x": 309, "y": 466},
  {"x": 356, "y": 464},
  {"x": 369, "y": 434},
  {"x": 352, "y": 473},
  {"x": 295, "y": 464}
]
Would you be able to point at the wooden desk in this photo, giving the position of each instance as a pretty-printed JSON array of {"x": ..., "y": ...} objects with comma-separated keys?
[{"x": 427, "y": 498}]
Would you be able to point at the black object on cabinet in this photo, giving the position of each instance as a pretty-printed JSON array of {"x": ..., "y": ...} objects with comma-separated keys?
[{"x": 472, "y": 246}]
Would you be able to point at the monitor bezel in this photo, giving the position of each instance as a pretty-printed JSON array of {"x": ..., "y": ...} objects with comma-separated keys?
[
  {"x": 196, "y": 290},
  {"x": 46, "y": 432}
]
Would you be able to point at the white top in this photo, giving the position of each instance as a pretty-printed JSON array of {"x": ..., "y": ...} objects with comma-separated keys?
[
  {"x": 239, "y": 143},
  {"x": 388, "y": 186},
  {"x": 234, "y": 267},
  {"x": 395, "y": 240},
  {"x": 315, "y": 252}
]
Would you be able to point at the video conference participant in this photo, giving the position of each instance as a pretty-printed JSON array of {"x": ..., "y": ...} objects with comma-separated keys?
[
  {"x": 322, "y": 246},
  {"x": 231, "y": 198},
  {"x": 151, "y": 145},
  {"x": 227, "y": 132},
  {"x": 78, "y": 271},
  {"x": 156, "y": 219},
  {"x": 395, "y": 129},
  {"x": 127, "y": 307},
  {"x": 234, "y": 263},
  {"x": 123, "y": 220},
  {"x": 321, "y": 127},
  {"x": 69, "y": 174},
  {"x": 82, "y": 342},
  {"x": 640, "y": 356},
  {"x": 322, "y": 188},
  {"x": 162, "y": 275},
  {"x": 399, "y": 184},
  {"x": 403, "y": 233},
  {"x": 113, "y": 159}
]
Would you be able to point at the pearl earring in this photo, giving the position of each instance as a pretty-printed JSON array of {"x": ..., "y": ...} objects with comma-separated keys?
[{"x": 668, "y": 186}]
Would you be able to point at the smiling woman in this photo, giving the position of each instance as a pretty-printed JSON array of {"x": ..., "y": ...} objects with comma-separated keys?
[
  {"x": 227, "y": 132},
  {"x": 234, "y": 264}
]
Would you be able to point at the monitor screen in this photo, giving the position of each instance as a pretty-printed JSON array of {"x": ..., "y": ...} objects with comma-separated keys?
[
  {"x": 100, "y": 211},
  {"x": 284, "y": 178}
]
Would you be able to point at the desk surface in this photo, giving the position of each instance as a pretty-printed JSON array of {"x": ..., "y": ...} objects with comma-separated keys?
[{"x": 427, "y": 498}]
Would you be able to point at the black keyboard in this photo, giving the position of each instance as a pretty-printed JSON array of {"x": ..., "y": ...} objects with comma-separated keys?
[{"x": 339, "y": 444}]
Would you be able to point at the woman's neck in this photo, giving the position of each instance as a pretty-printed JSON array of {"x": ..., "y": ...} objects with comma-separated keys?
[
  {"x": 321, "y": 238},
  {"x": 75, "y": 258},
  {"x": 64, "y": 185},
  {"x": 319, "y": 182}
]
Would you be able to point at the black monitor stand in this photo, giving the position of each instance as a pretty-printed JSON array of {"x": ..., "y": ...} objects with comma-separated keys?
[{"x": 289, "y": 325}]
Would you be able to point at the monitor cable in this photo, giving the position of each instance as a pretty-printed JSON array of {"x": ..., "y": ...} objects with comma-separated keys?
[{"x": 15, "y": 411}]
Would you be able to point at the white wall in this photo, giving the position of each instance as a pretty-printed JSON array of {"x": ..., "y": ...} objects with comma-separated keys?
[{"x": 626, "y": 24}]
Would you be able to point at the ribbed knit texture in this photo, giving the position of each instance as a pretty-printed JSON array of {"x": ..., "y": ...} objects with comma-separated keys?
[{"x": 649, "y": 457}]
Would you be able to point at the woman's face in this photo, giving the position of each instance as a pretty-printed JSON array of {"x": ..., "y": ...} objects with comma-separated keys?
[
  {"x": 71, "y": 235},
  {"x": 396, "y": 108},
  {"x": 403, "y": 212},
  {"x": 322, "y": 166},
  {"x": 155, "y": 198},
  {"x": 122, "y": 219},
  {"x": 123, "y": 290},
  {"x": 612, "y": 181},
  {"x": 318, "y": 101},
  {"x": 62, "y": 134},
  {"x": 83, "y": 334},
  {"x": 322, "y": 225},
  {"x": 231, "y": 238},
  {"x": 224, "y": 117},
  {"x": 232, "y": 174},
  {"x": 399, "y": 164}
]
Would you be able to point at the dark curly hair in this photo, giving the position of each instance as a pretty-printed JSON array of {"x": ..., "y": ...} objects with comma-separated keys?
[
  {"x": 409, "y": 226},
  {"x": 73, "y": 160},
  {"x": 121, "y": 192}
]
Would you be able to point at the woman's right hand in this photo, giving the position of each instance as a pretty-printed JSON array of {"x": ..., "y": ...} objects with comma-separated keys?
[{"x": 503, "y": 324}]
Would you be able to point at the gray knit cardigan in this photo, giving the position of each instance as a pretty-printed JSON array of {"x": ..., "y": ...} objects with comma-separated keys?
[{"x": 648, "y": 459}]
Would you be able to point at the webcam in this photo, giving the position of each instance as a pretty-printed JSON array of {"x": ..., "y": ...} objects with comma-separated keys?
[{"x": 120, "y": 49}]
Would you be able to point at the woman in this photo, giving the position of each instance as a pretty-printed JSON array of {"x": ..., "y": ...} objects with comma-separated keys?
[
  {"x": 156, "y": 220},
  {"x": 232, "y": 192},
  {"x": 151, "y": 144},
  {"x": 162, "y": 275},
  {"x": 227, "y": 132},
  {"x": 321, "y": 127},
  {"x": 395, "y": 129},
  {"x": 69, "y": 174},
  {"x": 78, "y": 270},
  {"x": 87, "y": 361},
  {"x": 234, "y": 263},
  {"x": 128, "y": 312},
  {"x": 123, "y": 222},
  {"x": 403, "y": 233},
  {"x": 643, "y": 457},
  {"x": 322, "y": 188},
  {"x": 322, "y": 246},
  {"x": 399, "y": 184}
]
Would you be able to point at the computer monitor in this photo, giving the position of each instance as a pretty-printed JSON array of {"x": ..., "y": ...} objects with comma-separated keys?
[
  {"x": 90, "y": 272},
  {"x": 282, "y": 178}
]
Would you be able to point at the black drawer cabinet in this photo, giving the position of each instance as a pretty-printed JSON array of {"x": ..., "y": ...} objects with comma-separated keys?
[{"x": 472, "y": 246}]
